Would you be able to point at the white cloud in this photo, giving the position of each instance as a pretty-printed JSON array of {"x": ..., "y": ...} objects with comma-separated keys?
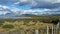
[
  {"x": 3, "y": 12},
  {"x": 15, "y": 9},
  {"x": 38, "y": 11},
  {"x": 30, "y": 11},
  {"x": 30, "y": 1},
  {"x": 3, "y": 7},
  {"x": 17, "y": 3},
  {"x": 23, "y": 0},
  {"x": 33, "y": 3},
  {"x": 57, "y": 1},
  {"x": 39, "y": 3},
  {"x": 41, "y": 11},
  {"x": 7, "y": 9}
]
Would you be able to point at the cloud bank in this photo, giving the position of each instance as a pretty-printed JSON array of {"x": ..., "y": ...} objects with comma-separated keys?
[
  {"x": 36, "y": 7},
  {"x": 35, "y": 3},
  {"x": 17, "y": 11}
]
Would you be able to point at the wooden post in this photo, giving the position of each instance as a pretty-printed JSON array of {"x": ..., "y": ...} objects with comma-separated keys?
[
  {"x": 36, "y": 31},
  {"x": 57, "y": 26},
  {"x": 47, "y": 30},
  {"x": 52, "y": 30}
]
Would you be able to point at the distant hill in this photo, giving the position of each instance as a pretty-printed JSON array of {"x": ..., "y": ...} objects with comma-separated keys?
[{"x": 28, "y": 15}]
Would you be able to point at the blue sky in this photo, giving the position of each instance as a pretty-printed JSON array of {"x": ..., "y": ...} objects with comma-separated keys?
[
  {"x": 31, "y": 6},
  {"x": 17, "y": 6}
]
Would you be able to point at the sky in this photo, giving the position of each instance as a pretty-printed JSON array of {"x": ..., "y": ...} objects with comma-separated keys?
[{"x": 36, "y": 7}]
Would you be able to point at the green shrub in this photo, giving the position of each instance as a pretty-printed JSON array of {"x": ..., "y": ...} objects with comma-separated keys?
[{"x": 9, "y": 26}]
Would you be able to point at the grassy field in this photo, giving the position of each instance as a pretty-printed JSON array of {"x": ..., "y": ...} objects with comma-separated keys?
[{"x": 27, "y": 25}]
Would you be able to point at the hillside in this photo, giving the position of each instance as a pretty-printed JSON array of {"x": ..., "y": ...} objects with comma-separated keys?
[{"x": 27, "y": 25}]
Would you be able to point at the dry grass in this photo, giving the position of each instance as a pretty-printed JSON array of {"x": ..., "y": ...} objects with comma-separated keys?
[{"x": 30, "y": 26}]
